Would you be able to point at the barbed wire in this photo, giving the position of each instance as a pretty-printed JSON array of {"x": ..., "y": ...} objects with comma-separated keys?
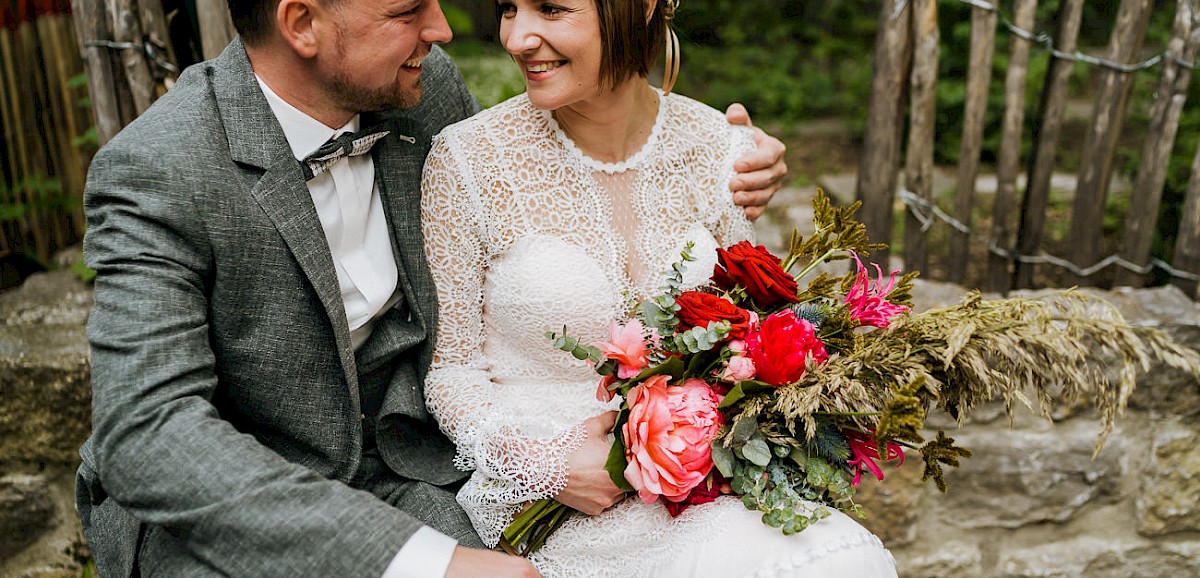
[
  {"x": 928, "y": 213},
  {"x": 1044, "y": 40},
  {"x": 154, "y": 54}
]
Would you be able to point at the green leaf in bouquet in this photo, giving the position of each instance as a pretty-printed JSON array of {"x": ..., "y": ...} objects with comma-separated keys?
[
  {"x": 757, "y": 452},
  {"x": 744, "y": 388},
  {"x": 659, "y": 313},
  {"x": 743, "y": 429},
  {"x": 723, "y": 459},
  {"x": 617, "y": 462},
  {"x": 781, "y": 451},
  {"x": 672, "y": 366},
  {"x": 799, "y": 456}
]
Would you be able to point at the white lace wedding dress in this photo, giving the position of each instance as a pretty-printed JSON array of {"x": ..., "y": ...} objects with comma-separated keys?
[{"x": 526, "y": 234}]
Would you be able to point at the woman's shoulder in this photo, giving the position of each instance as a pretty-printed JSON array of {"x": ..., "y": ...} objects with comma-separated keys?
[
  {"x": 497, "y": 122},
  {"x": 699, "y": 123}
]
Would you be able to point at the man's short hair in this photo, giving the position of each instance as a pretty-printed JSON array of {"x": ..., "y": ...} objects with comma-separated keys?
[
  {"x": 252, "y": 18},
  {"x": 630, "y": 45}
]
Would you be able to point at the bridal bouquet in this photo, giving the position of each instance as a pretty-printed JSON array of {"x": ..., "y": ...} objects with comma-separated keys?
[{"x": 785, "y": 395}]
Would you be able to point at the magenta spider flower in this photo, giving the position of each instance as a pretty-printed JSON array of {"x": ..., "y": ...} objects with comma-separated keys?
[
  {"x": 865, "y": 451},
  {"x": 868, "y": 299}
]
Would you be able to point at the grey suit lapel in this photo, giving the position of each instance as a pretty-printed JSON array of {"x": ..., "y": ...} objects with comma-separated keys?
[
  {"x": 256, "y": 140},
  {"x": 398, "y": 165}
]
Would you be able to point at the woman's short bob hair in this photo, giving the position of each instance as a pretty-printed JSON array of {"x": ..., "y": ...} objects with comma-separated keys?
[{"x": 629, "y": 43}]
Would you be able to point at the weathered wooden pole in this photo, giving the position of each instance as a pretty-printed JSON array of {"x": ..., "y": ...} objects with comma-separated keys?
[
  {"x": 979, "y": 80},
  {"x": 1045, "y": 141},
  {"x": 918, "y": 166},
  {"x": 91, "y": 25},
  {"x": 879, "y": 164},
  {"x": 1187, "y": 244},
  {"x": 1100, "y": 143},
  {"x": 1009, "y": 164},
  {"x": 1160, "y": 139},
  {"x": 216, "y": 27}
]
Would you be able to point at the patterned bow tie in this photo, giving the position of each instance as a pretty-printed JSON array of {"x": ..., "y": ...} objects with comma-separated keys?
[{"x": 347, "y": 144}]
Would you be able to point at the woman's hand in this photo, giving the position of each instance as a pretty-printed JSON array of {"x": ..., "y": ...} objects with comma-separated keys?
[
  {"x": 589, "y": 488},
  {"x": 760, "y": 172}
]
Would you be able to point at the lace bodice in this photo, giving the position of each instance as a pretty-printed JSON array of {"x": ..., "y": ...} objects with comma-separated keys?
[{"x": 525, "y": 234}]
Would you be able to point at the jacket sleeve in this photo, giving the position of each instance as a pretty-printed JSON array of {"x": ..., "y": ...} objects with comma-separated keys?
[{"x": 163, "y": 452}]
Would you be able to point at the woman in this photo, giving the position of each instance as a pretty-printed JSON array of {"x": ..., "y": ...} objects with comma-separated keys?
[{"x": 564, "y": 205}]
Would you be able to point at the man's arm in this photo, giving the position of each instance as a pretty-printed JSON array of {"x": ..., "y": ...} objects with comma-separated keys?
[
  {"x": 760, "y": 172},
  {"x": 163, "y": 451}
]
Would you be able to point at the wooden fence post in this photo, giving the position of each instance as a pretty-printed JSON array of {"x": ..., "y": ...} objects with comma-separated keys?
[
  {"x": 979, "y": 80},
  {"x": 91, "y": 24},
  {"x": 1100, "y": 144},
  {"x": 1000, "y": 268},
  {"x": 1045, "y": 140},
  {"x": 1160, "y": 138},
  {"x": 216, "y": 27},
  {"x": 918, "y": 167},
  {"x": 876, "y": 181},
  {"x": 117, "y": 28},
  {"x": 1187, "y": 244}
]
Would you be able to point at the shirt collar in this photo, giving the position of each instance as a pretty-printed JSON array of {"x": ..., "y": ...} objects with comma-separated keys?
[{"x": 304, "y": 133}]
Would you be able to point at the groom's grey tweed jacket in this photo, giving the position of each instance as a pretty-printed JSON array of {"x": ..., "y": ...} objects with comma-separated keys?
[{"x": 228, "y": 402}]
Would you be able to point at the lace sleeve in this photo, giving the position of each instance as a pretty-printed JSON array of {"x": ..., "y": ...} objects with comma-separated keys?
[
  {"x": 728, "y": 221},
  {"x": 515, "y": 459}
]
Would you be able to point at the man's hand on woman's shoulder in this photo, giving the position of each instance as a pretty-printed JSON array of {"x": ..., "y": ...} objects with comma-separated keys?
[{"x": 760, "y": 172}]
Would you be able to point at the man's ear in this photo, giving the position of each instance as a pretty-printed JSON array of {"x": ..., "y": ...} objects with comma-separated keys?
[
  {"x": 295, "y": 21},
  {"x": 650, "y": 5}
]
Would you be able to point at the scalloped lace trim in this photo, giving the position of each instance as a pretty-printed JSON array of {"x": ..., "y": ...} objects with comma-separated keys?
[{"x": 634, "y": 161}]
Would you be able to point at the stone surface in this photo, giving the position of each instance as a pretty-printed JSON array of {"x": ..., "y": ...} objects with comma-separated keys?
[
  {"x": 942, "y": 559},
  {"x": 56, "y": 298},
  {"x": 892, "y": 506},
  {"x": 25, "y": 512},
  {"x": 45, "y": 387},
  {"x": 60, "y": 550},
  {"x": 1170, "y": 498},
  {"x": 45, "y": 393},
  {"x": 1020, "y": 477}
]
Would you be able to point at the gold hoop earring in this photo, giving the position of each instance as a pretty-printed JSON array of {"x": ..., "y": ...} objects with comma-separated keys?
[{"x": 671, "y": 65}]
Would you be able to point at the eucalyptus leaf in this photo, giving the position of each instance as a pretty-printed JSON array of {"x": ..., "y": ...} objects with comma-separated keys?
[
  {"x": 723, "y": 459},
  {"x": 757, "y": 452},
  {"x": 743, "y": 428}
]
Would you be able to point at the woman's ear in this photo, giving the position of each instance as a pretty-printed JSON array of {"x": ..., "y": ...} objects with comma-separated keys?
[
  {"x": 650, "y": 6},
  {"x": 294, "y": 18}
]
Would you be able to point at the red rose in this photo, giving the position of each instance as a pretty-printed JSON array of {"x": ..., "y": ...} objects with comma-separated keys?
[
  {"x": 704, "y": 493},
  {"x": 780, "y": 347},
  {"x": 698, "y": 309},
  {"x": 756, "y": 270}
]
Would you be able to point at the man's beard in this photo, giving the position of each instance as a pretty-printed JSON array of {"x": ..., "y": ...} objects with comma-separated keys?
[
  {"x": 355, "y": 98},
  {"x": 371, "y": 100}
]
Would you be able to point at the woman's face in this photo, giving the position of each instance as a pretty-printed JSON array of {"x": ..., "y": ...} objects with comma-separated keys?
[{"x": 557, "y": 45}]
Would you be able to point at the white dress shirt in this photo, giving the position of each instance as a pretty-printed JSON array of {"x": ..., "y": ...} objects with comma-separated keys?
[{"x": 351, "y": 214}]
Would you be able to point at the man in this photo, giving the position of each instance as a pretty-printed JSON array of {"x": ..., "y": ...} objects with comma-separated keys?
[{"x": 262, "y": 326}]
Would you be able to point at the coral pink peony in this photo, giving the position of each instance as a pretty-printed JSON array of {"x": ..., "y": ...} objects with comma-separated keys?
[
  {"x": 781, "y": 346},
  {"x": 628, "y": 347},
  {"x": 868, "y": 299},
  {"x": 668, "y": 438}
]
